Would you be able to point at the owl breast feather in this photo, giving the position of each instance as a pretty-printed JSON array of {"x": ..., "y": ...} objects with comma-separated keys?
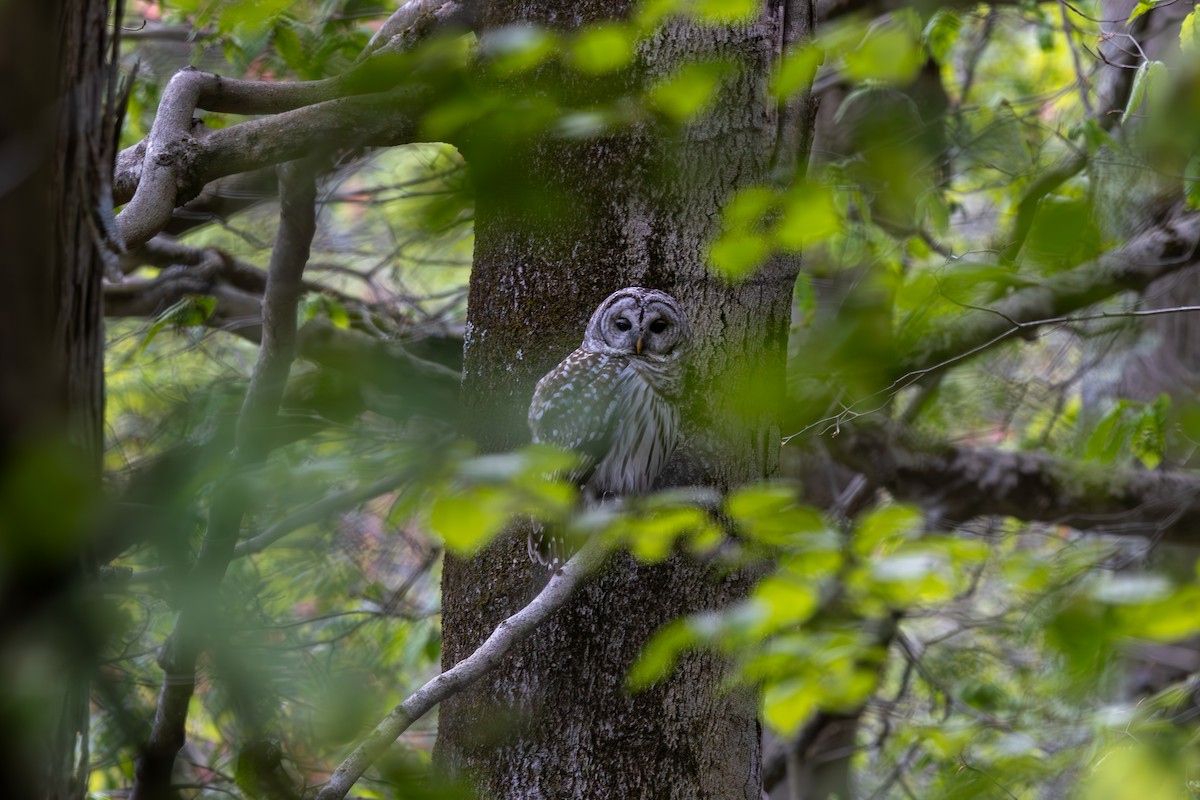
[{"x": 614, "y": 411}]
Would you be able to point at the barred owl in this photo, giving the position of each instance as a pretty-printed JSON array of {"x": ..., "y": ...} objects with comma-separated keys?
[{"x": 614, "y": 401}]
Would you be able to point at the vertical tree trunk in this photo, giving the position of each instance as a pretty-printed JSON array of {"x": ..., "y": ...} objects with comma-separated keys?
[
  {"x": 55, "y": 164},
  {"x": 556, "y": 720}
]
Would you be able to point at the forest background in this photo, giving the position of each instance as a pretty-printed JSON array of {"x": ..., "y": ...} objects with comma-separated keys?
[{"x": 264, "y": 472}]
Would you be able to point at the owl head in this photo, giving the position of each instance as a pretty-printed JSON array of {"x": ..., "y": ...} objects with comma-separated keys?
[{"x": 638, "y": 322}]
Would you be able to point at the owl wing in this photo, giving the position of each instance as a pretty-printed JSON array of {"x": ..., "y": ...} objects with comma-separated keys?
[{"x": 575, "y": 407}]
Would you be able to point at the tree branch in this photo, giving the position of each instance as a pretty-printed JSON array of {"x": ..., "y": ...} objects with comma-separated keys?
[
  {"x": 960, "y": 483},
  {"x": 189, "y": 271},
  {"x": 421, "y": 374},
  {"x": 308, "y": 515},
  {"x": 1168, "y": 247},
  {"x": 797, "y": 114},
  {"x": 180, "y": 159},
  {"x": 507, "y": 634},
  {"x": 416, "y": 20},
  {"x": 181, "y": 651},
  {"x": 361, "y": 106}
]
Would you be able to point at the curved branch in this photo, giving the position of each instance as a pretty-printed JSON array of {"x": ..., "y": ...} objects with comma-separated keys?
[
  {"x": 178, "y": 162},
  {"x": 507, "y": 634},
  {"x": 178, "y": 157}
]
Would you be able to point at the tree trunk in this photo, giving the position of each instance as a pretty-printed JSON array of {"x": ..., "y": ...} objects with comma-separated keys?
[
  {"x": 556, "y": 720},
  {"x": 54, "y": 170}
]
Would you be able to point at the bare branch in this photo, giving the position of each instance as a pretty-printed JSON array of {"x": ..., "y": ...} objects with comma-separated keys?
[
  {"x": 179, "y": 156},
  {"x": 230, "y": 500},
  {"x": 178, "y": 162},
  {"x": 238, "y": 286},
  {"x": 1170, "y": 246},
  {"x": 417, "y": 19},
  {"x": 411, "y": 375},
  {"x": 962, "y": 482},
  {"x": 1162, "y": 250},
  {"x": 507, "y": 634},
  {"x": 309, "y": 515}
]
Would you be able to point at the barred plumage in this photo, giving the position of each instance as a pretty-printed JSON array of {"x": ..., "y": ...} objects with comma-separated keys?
[{"x": 614, "y": 400}]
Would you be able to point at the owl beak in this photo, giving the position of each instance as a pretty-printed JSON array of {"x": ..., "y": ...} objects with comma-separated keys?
[{"x": 637, "y": 348}]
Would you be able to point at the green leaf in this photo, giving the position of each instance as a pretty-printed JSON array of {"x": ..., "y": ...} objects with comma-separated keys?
[
  {"x": 770, "y": 514},
  {"x": 1191, "y": 182},
  {"x": 650, "y": 13},
  {"x": 1131, "y": 770},
  {"x": 785, "y": 600},
  {"x": 1149, "y": 439},
  {"x": 796, "y": 71},
  {"x": 1046, "y": 37},
  {"x": 742, "y": 245},
  {"x": 735, "y": 255},
  {"x": 1189, "y": 35},
  {"x": 941, "y": 33},
  {"x": 651, "y": 537},
  {"x": 1149, "y": 83},
  {"x": 249, "y": 20},
  {"x": 603, "y": 48},
  {"x": 1082, "y": 632},
  {"x": 809, "y": 216},
  {"x": 188, "y": 312},
  {"x": 787, "y": 704},
  {"x": 932, "y": 206},
  {"x": 1141, "y": 8},
  {"x": 805, "y": 298},
  {"x": 1151, "y": 613},
  {"x": 468, "y": 520},
  {"x": 517, "y": 48},
  {"x": 912, "y": 578},
  {"x": 287, "y": 44},
  {"x": 689, "y": 91},
  {"x": 661, "y": 653},
  {"x": 752, "y": 502},
  {"x": 308, "y": 308},
  {"x": 749, "y": 206},
  {"x": 724, "y": 12},
  {"x": 1130, "y": 589},
  {"x": 581, "y": 125},
  {"x": 889, "y": 53},
  {"x": 1109, "y": 436},
  {"x": 1094, "y": 136},
  {"x": 338, "y": 315},
  {"x": 887, "y": 527}
]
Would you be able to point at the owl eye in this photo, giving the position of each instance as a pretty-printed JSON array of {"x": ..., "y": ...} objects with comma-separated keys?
[
  {"x": 658, "y": 326},
  {"x": 623, "y": 324}
]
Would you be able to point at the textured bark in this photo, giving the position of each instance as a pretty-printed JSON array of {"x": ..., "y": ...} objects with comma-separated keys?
[
  {"x": 55, "y": 159},
  {"x": 556, "y": 721}
]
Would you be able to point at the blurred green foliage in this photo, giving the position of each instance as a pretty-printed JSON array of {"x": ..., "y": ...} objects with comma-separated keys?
[{"x": 990, "y": 656}]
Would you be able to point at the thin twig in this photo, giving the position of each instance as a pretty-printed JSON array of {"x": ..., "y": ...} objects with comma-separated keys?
[
  {"x": 1152, "y": 255},
  {"x": 507, "y": 634}
]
